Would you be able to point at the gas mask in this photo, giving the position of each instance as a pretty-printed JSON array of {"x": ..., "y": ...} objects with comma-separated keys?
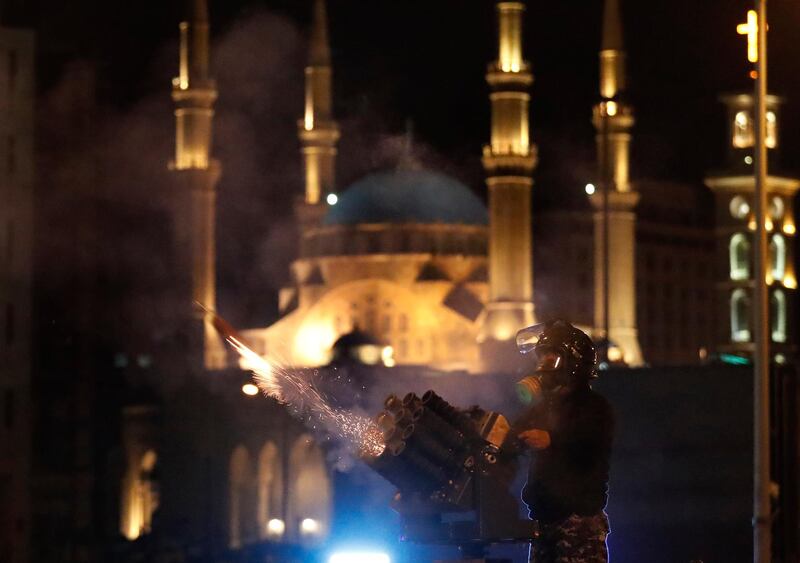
[{"x": 549, "y": 374}]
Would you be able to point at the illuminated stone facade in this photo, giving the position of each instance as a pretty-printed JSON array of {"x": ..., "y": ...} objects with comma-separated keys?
[{"x": 401, "y": 256}]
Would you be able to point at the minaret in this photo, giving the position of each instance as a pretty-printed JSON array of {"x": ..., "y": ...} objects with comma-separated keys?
[
  {"x": 615, "y": 201},
  {"x": 509, "y": 161},
  {"x": 194, "y": 93},
  {"x": 318, "y": 132}
]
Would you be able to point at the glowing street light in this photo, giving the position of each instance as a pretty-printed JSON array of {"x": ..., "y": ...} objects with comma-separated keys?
[
  {"x": 250, "y": 389},
  {"x": 309, "y": 527},
  {"x": 590, "y": 189},
  {"x": 332, "y": 199},
  {"x": 275, "y": 528}
]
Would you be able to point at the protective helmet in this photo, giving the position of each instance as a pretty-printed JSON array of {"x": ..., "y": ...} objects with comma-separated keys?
[{"x": 559, "y": 346}]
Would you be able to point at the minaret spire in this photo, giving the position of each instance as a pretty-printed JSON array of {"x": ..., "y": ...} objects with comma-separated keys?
[
  {"x": 317, "y": 130},
  {"x": 615, "y": 202},
  {"x": 193, "y": 91},
  {"x": 612, "y": 27},
  {"x": 319, "y": 53},
  {"x": 612, "y": 52},
  {"x": 194, "y": 205},
  {"x": 509, "y": 160}
]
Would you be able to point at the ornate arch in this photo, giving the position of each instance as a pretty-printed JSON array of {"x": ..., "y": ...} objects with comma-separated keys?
[
  {"x": 270, "y": 489},
  {"x": 740, "y": 316},
  {"x": 777, "y": 256},
  {"x": 778, "y": 315},
  {"x": 739, "y": 253},
  {"x": 310, "y": 496},
  {"x": 241, "y": 517}
]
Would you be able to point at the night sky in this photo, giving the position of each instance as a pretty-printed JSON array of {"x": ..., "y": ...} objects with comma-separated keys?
[{"x": 400, "y": 61}]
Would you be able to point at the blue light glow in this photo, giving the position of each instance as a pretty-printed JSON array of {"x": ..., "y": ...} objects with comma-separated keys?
[{"x": 359, "y": 557}]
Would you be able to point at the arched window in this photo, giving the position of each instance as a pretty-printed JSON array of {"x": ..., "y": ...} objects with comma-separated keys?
[
  {"x": 778, "y": 315},
  {"x": 270, "y": 493},
  {"x": 240, "y": 501},
  {"x": 740, "y": 316},
  {"x": 777, "y": 256},
  {"x": 140, "y": 496},
  {"x": 739, "y": 250},
  {"x": 308, "y": 518},
  {"x": 148, "y": 491},
  {"x": 772, "y": 130},
  {"x": 742, "y": 130}
]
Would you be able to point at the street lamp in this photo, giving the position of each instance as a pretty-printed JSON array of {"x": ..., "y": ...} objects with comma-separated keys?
[{"x": 756, "y": 31}]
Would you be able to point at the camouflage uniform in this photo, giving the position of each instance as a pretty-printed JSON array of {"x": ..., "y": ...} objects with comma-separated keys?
[{"x": 577, "y": 539}]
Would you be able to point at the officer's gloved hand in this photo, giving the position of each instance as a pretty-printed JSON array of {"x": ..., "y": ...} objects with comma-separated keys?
[{"x": 535, "y": 438}]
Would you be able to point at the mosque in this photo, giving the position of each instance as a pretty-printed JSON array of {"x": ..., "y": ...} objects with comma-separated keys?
[{"x": 413, "y": 258}]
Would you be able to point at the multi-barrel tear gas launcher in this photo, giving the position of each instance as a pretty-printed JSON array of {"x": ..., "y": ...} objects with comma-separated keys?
[{"x": 454, "y": 470}]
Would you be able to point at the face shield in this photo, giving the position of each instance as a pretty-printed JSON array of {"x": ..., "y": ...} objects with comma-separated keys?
[
  {"x": 528, "y": 338},
  {"x": 545, "y": 361},
  {"x": 542, "y": 356}
]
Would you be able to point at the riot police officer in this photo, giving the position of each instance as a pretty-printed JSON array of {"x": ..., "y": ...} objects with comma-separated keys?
[{"x": 569, "y": 429}]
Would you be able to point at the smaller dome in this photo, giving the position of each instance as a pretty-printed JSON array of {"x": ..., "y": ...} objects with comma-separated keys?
[
  {"x": 361, "y": 348},
  {"x": 407, "y": 196},
  {"x": 354, "y": 339}
]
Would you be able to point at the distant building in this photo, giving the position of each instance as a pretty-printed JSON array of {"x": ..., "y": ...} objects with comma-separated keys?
[
  {"x": 17, "y": 100},
  {"x": 733, "y": 188}
]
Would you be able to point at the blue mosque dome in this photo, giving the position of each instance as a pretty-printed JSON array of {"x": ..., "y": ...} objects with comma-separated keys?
[{"x": 407, "y": 196}]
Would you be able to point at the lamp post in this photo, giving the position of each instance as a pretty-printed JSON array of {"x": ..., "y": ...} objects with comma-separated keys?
[{"x": 762, "y": 522}]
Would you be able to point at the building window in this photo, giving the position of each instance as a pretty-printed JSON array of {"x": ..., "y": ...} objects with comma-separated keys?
[
  {"x": 739, "y": 250},
  {"x": 778, "y": 314},
  {"x": 772, "y": 130},
  {"x": 740, "y": 316},
  {"x": 11, "y": 155},
  {"x": 777, "y": 256},
  {"x": 742, "y": 130},
  {"x": 10, "y": 242},
  {"x": 9, "y": 323},
  {"x": 9, "y": 409},
  {"x": 13, "y": 68}
]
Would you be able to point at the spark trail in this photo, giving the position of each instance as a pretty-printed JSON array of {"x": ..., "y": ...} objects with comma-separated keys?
[{"x": 287, "y": 386}]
